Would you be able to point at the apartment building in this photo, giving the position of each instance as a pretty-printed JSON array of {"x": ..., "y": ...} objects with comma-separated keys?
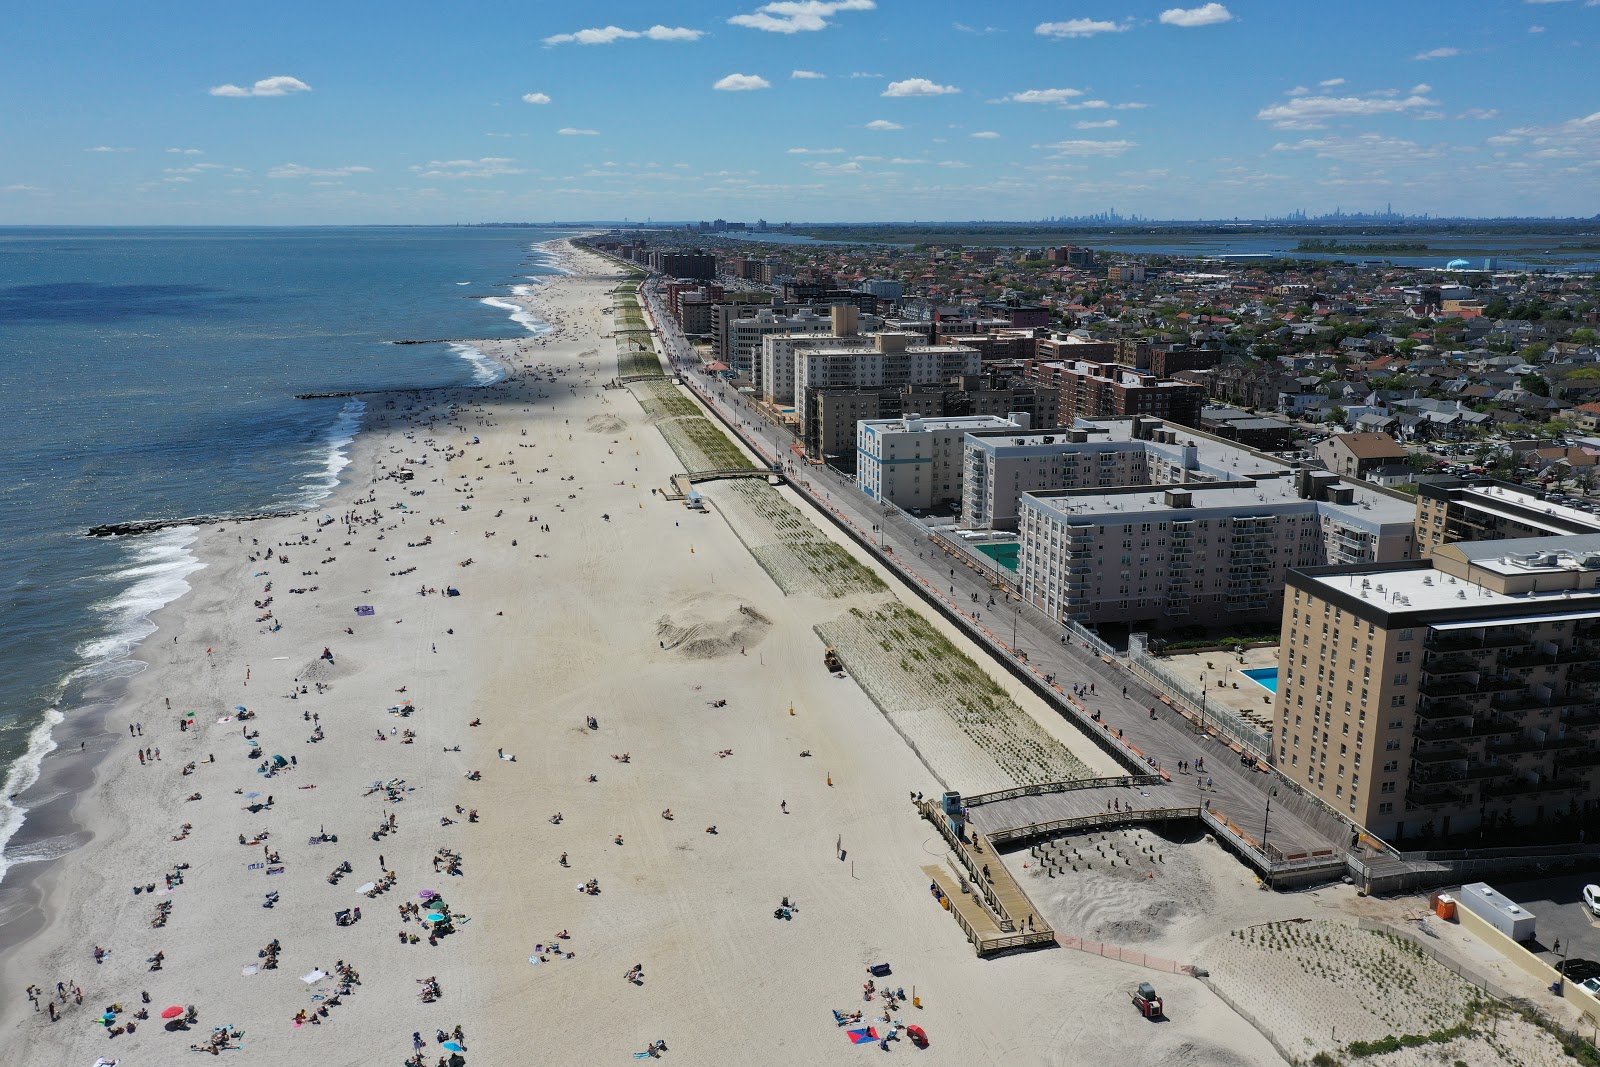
[
  {"x": 1450, "y": 510},
  {"x": 1153, "y": 527},
  {"x": 829, "y": 416},
  {"x": 745, "y": 335},
  {"x": 793, "y": 365},
  {"x": 734, "y": 306},
  {"x": 916, "y": 462},
  {"x": 1359, "y": 455},
  {"x": 1091, "y": 389},
  {"x": 1446, "y": 695}
]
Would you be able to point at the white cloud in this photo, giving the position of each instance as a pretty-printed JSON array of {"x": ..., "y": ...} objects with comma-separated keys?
[
  {"x": 608, "y": 34},
  {"x": 568, "y": 131},
  {"x": 1535, "y": 29},
  {"x": 839, "y": 168},
  {"x": 296, "y": 170},
  {"x": 986, "y": 135},
  {"x": 106, "y": 148},
  {"x": 1312, "y": 112},
  {"x": 1204, "y": 15},
  {"x": 1367, "y": 149},
  {"x": 1329, "y": 83},
  {"x": 672, "y": 33},
  {"x": 1438, "y": 53},
  {"x": 798, "y": 16},
  {"x": 1103, "y": 124},
  {"x": 487, "y": 167},
  {"x": 919, "y": 87},
  {"x": 1088, "y": 148},
  {"x": 954, "y": 164},
  {"x": 806, "y": 74},
  {"x": 883, "y": 124},
  {"x": 186, "y": 151},
  {"x": 1079, "y": 28},
  {"x": 1479, "y": 113},
  {"x": 1042, "y": 96},
  {"x": 1589, "y": 4},
  {"x": 20, "y": 188},
  {"x": 1420, "y": 87},
  {"x": 535, "y": 98},
  {"x": 816, "y": 151},
  {"x": 277, "y": 85},
  {"x": 740, "y": 83}
]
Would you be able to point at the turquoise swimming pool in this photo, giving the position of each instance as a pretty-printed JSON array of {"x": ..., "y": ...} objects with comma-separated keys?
[{"x": 1265, "y": 677}]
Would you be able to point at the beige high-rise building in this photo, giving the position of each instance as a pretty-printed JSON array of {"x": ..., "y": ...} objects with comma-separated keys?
[
  {"x": 1484, "y": 510},
  {"x": 1434, "y": 697}
]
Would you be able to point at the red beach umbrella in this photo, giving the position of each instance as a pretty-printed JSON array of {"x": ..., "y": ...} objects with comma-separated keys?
[{"x": 172, "y": 1012}]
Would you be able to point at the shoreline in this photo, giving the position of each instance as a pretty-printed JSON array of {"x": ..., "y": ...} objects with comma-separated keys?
[
  {"x": 44, "y": 808},
  {"x": 539, "y": 499}
]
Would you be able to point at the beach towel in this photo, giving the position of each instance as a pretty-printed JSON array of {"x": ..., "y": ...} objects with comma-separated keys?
[
  {"x": 308, "y": 979},
  {"x": 862, "y": 1035},
  {"x": 365, "y": 609},
  {"x": 248, "y": 971}
]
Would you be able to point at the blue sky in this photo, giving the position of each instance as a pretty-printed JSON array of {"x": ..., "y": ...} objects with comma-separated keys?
[{"x": 410, "y": 111}]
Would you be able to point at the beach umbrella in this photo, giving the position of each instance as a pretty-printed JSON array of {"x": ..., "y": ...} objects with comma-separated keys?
[
  {"x": 436, "y": 917},
  {"x": 427, "y": 894},
  {"x": 236, "y": 707},
  {"x": 454, "y": 1046},
  {"x": 863, "y": 1036},
  {"x": 369, "y": 887},
  {"x": 172, "y": 1012}
]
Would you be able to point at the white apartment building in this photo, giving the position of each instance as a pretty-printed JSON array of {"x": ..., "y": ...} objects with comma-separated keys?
[
  {"x": 791, "y": 365},
  {"x": 745, "y": 335},
  {"x": 1205, "y": 534},
  {"x": 916, "y": 462}
]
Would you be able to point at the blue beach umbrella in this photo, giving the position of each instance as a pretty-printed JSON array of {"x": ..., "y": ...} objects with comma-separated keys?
[{"x": 454, "y": 1046}]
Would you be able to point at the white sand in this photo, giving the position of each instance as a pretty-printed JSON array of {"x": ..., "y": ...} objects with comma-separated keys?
[{"x": 561, "y": 626}]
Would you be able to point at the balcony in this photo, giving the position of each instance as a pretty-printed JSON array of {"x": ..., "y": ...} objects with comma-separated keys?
[
  {"x": 1537, "y": 658},
  {"x": 1433, "y": 795},
  {"x": 1585, "y": 674},
  {"x": 1478, "y": 728},
  {"x": 1445, "y": 709},
  {"x": 1527, "y": 786},
  {"x": 1456, "y": 687},
  {"x": 1441, "y": 754},
  {"x": 1470, "y": 640},
  {"x": 1581, "y": 758},
  {"x": 1481, "y": 772},
  {"x": 1450, "y": 665}
]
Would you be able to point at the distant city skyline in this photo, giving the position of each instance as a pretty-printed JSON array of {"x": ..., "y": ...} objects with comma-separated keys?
[{"x": 844, "y": 110}]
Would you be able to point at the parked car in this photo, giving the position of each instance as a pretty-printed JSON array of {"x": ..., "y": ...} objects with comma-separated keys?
[{"x": 1591, "y": 898}]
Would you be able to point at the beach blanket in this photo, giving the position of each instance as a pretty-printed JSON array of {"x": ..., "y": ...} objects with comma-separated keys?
[
  {"x": 862, "y": 1035},
  {"x": 314, "y": 976},
  {"x": 365, "y": 609}
]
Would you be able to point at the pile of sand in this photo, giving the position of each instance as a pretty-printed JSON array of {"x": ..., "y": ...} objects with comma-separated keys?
[
  {"x": 711, "y": 626},
  {"x": 605, "y": 424}
]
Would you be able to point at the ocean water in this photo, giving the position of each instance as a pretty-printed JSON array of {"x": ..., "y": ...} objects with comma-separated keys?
[{"x": 150, "y": 373}]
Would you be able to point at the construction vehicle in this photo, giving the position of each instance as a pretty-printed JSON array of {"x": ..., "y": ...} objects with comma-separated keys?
[
  {"x": 1145, "y": 999},
  {"x": 830, "y": 660}
]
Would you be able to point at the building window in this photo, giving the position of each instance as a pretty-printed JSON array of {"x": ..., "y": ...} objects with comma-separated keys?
[
  {"x": 1386, "y": 787},
  {"x": 1401, "y": 679},
  {"x": 1392, "y": 765},
  {"x": 1392, "y": 745},
  {"x": 1385, "y": 809},
  {"x": 1404, "y": 635},
  {"x": 1402, "y": 657}
]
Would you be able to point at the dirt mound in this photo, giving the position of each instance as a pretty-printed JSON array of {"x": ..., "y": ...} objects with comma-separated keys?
[
  {"x": 710, "y": 626},
  {"x": 605, "y": 424}
]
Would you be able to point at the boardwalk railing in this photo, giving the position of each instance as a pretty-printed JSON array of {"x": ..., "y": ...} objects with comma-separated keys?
[
  {"x": 1042, "y": 788},
  {"x": 1099, "y": 820},
  {"x": 931, "y": 811}
]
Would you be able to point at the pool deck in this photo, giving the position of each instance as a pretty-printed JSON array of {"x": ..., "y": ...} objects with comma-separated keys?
[{"x": 1225, "y": 685}]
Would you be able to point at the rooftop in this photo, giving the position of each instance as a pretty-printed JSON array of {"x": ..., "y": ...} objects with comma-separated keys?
[{"x": 1425, "y": 589}]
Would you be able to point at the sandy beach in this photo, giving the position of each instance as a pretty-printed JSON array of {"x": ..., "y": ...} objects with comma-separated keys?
[{"x": 611, "y": 657}]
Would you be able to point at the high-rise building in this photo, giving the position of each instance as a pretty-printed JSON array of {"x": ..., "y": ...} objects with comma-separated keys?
[
  {"x": 1450, "y": 695},
  {"x": 916, "y": 461},
  {"x": 1094, "y": 390},
  {"x": 1486, "y": 510}
]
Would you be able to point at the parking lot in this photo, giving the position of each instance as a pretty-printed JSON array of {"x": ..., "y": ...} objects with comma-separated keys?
[{"x": 1557, "y": 904}]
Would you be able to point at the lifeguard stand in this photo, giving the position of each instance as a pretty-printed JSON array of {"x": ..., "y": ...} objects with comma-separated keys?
[{"x": 956, "y": 813}]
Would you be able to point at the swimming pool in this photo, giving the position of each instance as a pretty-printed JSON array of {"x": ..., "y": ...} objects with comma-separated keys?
[{"x": 1265, "y": 677}]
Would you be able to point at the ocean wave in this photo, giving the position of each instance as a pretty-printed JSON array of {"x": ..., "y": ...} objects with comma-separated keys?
[
  {"x": 335, "y": 451},
  {"x": 485, "y": 371},
  {"x": 24, "y": 772},
  {"x": 519, "y": 314},
  {"x": 158, "y": 573}
]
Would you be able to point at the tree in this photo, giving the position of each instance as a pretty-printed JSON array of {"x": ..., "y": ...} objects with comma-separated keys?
[
  {"x": 1535, "y": 384},
  {"x": 1339, "y": 415}
]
